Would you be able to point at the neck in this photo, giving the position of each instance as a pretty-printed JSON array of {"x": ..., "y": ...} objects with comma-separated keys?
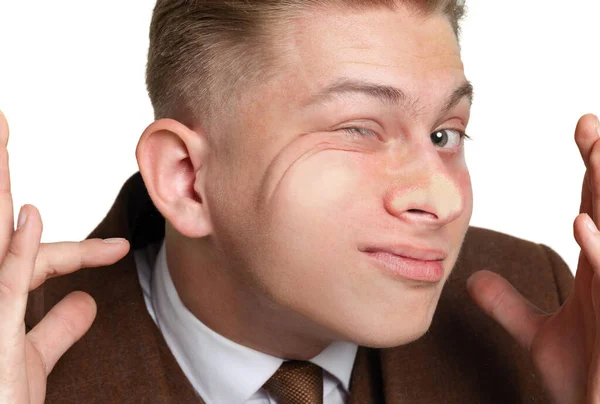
[{"x": 233, "y": 305}]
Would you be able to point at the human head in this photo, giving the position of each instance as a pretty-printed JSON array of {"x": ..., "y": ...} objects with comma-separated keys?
[
  {"x": 202, "y": 52},
  {"x": 267, "y": 189}
]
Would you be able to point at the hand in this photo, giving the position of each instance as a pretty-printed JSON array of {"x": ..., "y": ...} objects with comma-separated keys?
[
  {"x": 565, "y": 346},
  {"x": 27, "y": 359}
]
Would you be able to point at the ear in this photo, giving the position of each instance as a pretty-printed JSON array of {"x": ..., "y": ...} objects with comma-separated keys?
[{"x": 172, "y": 158}]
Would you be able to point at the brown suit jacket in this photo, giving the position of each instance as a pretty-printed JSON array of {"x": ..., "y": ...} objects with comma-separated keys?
[{"x": 465, "y": 357}]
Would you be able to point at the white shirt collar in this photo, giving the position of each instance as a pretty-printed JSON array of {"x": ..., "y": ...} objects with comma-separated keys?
[{"x": 221, "y": 370}]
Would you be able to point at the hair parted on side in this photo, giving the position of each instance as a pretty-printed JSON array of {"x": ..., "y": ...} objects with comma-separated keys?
[{"x": 202, "y": 52}]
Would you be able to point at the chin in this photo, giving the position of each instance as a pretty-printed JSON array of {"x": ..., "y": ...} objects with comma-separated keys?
[
  {"x": 391, "y": 337},
  {"x": 388, "y": 331}
]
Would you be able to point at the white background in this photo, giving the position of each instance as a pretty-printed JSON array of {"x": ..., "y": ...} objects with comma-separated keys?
[{"x": 72, "y": 87}]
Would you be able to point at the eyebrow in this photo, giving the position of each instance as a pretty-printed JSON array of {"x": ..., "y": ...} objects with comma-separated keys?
[{"x": 390, "y": 95}]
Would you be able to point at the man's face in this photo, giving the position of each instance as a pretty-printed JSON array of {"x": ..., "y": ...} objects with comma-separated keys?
[{"x": 297, "y": 195}]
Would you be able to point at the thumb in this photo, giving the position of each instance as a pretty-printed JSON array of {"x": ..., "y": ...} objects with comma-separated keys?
[{"x": 502, "y": 302}]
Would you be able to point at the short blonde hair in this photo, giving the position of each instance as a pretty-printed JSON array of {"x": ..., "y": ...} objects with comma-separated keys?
[{"x": 203, "y": 52}]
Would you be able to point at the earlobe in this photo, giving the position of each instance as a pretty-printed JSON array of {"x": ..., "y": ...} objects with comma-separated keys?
[{"x": 172, "y": 161}]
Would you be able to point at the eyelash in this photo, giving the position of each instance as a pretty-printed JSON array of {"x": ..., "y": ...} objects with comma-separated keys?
[{"x": 355, "y": 131}]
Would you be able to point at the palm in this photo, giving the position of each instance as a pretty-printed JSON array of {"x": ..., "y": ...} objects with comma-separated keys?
[
  {"x": 562, "y": 345},
  {"x": 561, "y": 353}
]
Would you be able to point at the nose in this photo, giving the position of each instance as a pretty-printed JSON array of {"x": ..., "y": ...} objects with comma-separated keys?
[{"x": 429, "y": 197}]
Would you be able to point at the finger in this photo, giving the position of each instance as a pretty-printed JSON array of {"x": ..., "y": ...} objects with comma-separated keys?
[
  {"x": 586, "y": 205},
  {"x": 56, "y": 259},
  {"x": 594, "y": 183},
  {"x": 17, "y": 268},
  {"x": 64, "y": 325},
  {"x": 502, "y": 302},
  {"x": 583, "y": 279},
  {"x": 15, "y": 275},
  {"x": 589, "y": 240},
  {"x": 6, "y": 202},
  {"x": 586, "y": 134}
]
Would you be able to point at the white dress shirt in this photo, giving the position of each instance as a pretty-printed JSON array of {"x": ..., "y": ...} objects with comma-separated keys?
[{"x": 223, "y": 371}]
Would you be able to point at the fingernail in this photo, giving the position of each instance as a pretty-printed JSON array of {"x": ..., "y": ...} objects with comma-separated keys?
[
  {"x": 114, "y": 240},
  {"x": 598, "y": 125},
  {"x": 22, "y": 218},
  {"x": 590, "y": 224}
]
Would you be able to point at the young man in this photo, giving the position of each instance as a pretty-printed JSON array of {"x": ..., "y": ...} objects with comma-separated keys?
[{"x": 301, "y": 213}]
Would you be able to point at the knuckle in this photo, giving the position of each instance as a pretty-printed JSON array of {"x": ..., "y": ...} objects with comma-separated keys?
[
  {"x": 44, "y": 268},
  {"x": 496, "y": 303},
  {"x": 15, "y": 249},
  {"x": 66, "y": 324},
  {"x": 51, "y": 272},
  {"x": 80, "y": 252},
  {"x": 5, "y": 288}
]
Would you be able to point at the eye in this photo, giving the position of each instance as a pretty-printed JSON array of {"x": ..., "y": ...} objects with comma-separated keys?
[
  {"x": 444, "y": 138},
  {"x": 355, "y": 131},
  {"x": 452, "y": 137}
]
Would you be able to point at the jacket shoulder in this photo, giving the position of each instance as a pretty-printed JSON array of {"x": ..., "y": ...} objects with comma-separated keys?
[{"x": 531, "y": 267}]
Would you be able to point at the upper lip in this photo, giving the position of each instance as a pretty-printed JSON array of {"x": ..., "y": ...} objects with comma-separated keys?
[{"x": 417, "y": 253}]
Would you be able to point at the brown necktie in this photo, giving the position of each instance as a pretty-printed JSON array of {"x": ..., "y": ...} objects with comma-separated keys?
[{"x": 296, "y": 382}]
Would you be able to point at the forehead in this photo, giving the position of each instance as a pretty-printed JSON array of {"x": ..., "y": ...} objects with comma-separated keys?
[{"x": 397, "y": 47}]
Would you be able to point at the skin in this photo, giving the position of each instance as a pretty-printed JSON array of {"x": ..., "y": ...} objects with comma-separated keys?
[
  {"x": 262, "y": 236},
  {"x": 266, "y": 223},
  {"x": 445, "y": 189}
]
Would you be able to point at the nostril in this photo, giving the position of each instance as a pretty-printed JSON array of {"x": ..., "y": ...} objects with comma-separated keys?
[{"x": 422, "y": 213}]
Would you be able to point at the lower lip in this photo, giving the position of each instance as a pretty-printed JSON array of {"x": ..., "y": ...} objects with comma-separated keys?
[{"x": 409, "y": 268}]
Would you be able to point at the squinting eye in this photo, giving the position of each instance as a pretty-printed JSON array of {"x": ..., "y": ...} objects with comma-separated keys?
[
  {"x": 359, "y": 132},
  {"x": 443, "y": 137}
]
